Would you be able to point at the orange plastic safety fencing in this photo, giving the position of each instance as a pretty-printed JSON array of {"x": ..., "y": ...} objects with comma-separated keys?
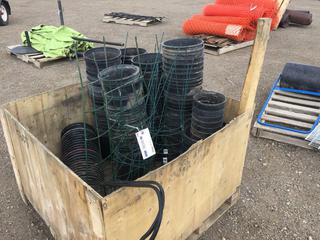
[
  {"x": 235, "y": 19},
  {"x": 232, "y": 31}
]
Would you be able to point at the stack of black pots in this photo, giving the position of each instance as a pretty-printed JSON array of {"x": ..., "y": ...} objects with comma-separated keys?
[
  {"x": 183, "y": 70},
  {"x": 81, "y": 153},
  {"x": 151, "y": 69},
  {"x": 96, "y": 60},
  {"x": 126, "y": 113},
  {"x": 129, "y": 53},
  {"x": 207, "y": 114}
]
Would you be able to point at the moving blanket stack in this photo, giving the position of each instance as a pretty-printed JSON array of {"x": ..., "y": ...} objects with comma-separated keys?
[
  {"x": 234, "y": 19},
  {"x": 56, "y": 41},
  {"x": 300, "y": 77}
]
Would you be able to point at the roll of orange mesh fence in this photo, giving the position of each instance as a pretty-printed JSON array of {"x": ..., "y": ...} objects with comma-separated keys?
[
  {"x": 234, "y": 19},
  {"x": 232, "y": 31},
  {"x": 222, "y": 19}
]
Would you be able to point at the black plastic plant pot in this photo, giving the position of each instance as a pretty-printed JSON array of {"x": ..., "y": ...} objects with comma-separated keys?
[
  {"x": 181, "y": 82},
  {"x": 198, "y": 134},
  {"x": 188, "y": 139},
  {"x": 183, "y": 68},
  {"x": 135, "y": 88},
  {"x": 190, "y": 61},
  {"x": 100, "y": 58},
  {"x": 129, "y": 53},
  {"x": 216, "y": 124},
  {"x": 183, "y": 88},
  {"x": 181, "y": 44},
  {"x": 134, "y": 113},
  {"x": 148, "y": 61},
  {"x": 179, "y": 100},
  {"x": 209, "y": 101},
  {"x": 77, "y": 125},
  {"x": 204, "y": 129},
  {"x": 81, "y": 153},
  {"x": 207, "y": 116},
  {"x": 119, "y": 75},
  {"x": 176, "y": 121},
  {"x": 185, "y": 73},
  {"x": 125, "y": 103}
]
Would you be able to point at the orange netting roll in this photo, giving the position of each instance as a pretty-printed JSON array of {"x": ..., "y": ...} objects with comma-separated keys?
[
  {"x": 267, "y": 4},
  {"x": 232, "y": 31},
  {"x": 251, "y": 13},
  {"x": 234, "y": 19},
  {"x": 222, "y": 19}
]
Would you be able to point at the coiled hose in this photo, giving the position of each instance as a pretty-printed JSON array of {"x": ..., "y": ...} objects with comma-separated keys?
[{"x": 154, "y": 228}]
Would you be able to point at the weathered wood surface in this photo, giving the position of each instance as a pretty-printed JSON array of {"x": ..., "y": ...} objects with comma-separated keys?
[
  {"x": 68, "y": 205},
  {"x": 37, "y": 59},
  {"x": 250, "y": 86},
  {"x": 196, "y": 185}
]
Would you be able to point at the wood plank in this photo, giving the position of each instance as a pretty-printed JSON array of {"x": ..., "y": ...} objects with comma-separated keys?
[
  {"x": 291, "y": 115},
  {"x": 217, "y": 49},
  {"x": 215, "y": 216},
  {"x": 282, "y": 7},
  {"x": 234, "y": 47},
  {"x": 36, "y": 56},
  {"x": 295, "y": 100},
  {"x": 294, "y": 108},
  {"x": 297, "y": 95},
  {"x": 12, "y": 152},
  {"x": 263, "y": 133},
  {"x": 197, "y": 198},
  {"x": 286, "y": 121},
  {"x": 281, "y": 131},
  {"x": 248, "y": 94}
]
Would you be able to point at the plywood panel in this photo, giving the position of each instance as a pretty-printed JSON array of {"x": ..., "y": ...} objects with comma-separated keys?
[
  {"x": 196, "y": 184},
  {"x": 46, "y": 114},
  {"x": 68, "y": 205}
]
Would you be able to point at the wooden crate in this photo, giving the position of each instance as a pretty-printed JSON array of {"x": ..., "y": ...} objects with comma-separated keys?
[
  {"x": 288, "y": 109},
  {"x": 219, "y": 45},
  {"x": 73, "y": 210},
  {"x": 37, "y": 59}
]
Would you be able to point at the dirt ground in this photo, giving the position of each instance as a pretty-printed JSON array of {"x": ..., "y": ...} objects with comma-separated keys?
[{"x": 280, "y": 193}]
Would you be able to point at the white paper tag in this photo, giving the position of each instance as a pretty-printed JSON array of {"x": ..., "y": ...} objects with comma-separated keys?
[
  {"x": 233, "y": 30},
  {"x": 145, "y": 143}
]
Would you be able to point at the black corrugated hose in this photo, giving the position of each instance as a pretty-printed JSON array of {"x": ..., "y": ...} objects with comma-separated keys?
[{"x": 154, "y": 228}]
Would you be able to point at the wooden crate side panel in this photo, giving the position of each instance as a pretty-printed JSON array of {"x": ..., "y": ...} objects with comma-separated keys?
[
  {"x": 68, "y": 205},
  {"x": 45, "y": 115},
  {"x": 231, "y": 110},
  {"x": 196, "y": 184},
  {"x": 13, "y": 153}
]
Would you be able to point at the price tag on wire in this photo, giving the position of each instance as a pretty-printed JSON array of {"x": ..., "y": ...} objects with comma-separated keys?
[{"x": 145, "y": 143}]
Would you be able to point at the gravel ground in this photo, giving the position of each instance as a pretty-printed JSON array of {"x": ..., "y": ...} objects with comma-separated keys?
[{"x": 281, "y": 184}]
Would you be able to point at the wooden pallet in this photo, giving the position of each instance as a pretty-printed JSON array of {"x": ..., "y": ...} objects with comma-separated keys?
[
  {"x": 37, "y": 59},
  {"x": 218, "y": 45},
  {"x": 292, "y": 110},
  {"x": 143, "y": 21},
  {"x": 215, "y": 216}
]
